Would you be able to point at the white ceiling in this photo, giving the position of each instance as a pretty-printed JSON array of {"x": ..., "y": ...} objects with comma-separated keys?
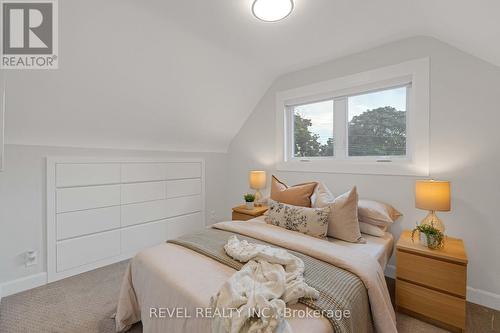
[{"x": 184, "y": 75}]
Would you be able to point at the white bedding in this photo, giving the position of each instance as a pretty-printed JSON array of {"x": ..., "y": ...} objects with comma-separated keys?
[
  {"x": 381, "y": 248},
  {"x": 172, "y": 276}
]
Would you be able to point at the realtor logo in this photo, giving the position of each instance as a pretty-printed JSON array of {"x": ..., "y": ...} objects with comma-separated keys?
[{"x": 29, "y": 34}]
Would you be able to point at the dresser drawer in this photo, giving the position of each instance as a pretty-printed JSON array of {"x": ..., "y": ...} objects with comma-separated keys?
[
  {"x": 85, "y": 222},
  {"x": 84, "y": 174},
  {"x": 80, "y": 251},
  {"x": 181, "y": 225},
  {"x": 444, "y": 308},
  {"x": 89, "y": 197},
  {"x": 437, "y": 274}
]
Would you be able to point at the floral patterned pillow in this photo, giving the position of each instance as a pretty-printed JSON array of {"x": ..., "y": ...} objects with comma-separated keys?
[{"x": 309, "y": 221}]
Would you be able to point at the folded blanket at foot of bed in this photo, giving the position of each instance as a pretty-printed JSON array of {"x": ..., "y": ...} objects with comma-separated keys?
[{"x": 258, "y": 293}]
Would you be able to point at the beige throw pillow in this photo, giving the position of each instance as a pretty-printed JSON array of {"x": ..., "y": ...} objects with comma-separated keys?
[
  {"x": 343, "y": 220},
  {"x": 377, "y": 213},
  {"x": 296, "y": 195},
  {"x": 309, "y": 221}
]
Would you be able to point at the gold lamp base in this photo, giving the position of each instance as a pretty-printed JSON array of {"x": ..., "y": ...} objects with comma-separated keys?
[
  {"x": 258, "y": 197},
  {"x": 433, "y": 220}
]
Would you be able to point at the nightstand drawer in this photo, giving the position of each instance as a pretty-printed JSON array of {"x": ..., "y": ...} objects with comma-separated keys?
[
  {"x": 241, "y": 217},
  {"x": 432, "y": 304},
  {"x": 242, "y": 213},
  {"x": 437, "y": 274}
]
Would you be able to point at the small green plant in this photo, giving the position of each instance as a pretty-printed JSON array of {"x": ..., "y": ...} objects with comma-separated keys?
[
  {"x": 435, "y": 238},
  {"x": 249, "y": 197}
]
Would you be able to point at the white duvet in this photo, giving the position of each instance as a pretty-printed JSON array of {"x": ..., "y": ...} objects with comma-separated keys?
[
  {"x": 257, "y": 294},
  {"x": 168, "y": 275}
]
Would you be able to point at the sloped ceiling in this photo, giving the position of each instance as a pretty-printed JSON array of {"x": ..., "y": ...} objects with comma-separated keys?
[{"x": 184, "y": 75}]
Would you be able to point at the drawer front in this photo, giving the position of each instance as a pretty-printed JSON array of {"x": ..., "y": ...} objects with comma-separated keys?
[
  {"x": 142, "y": 172},
  {"x": 140, "y": 192},
  {"x": 137, "y": 238},
  {"x": 183, "y": 205},
  {"x": 184, "y": 187},
  {"x": 76, "y": 252},
  {"x": 183, "y": 170},
  {"x": 432, "y": 304},
  {"x": 80, "y": 198},
  {"x": 437, "y": 274},
  {"x": 86, "y": 222},
  {"x": 87, "y": 174},
  {"x": 182, "y": 225},
  {"x": 144, "y": 212},
  {"x": 241, "y": 217}
]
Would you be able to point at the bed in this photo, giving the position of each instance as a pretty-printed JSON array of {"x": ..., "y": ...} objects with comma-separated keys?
[{"x": 170, "y": 276}]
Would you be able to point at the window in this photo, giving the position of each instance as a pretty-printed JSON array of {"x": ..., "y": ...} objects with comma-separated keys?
[
  {"x": 377, "y": 123},
  {"x": 313, "y": 129},
  {"x": 371, "y": 122}
]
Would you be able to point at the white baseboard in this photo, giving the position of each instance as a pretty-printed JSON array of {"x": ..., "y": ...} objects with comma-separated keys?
[
  {"x": 22, "y": 284},
  {"x": 484, "y": 298},
  {"x": 477, "y": 296}
]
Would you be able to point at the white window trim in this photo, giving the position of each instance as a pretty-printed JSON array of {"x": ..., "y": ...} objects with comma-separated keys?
[{"x": 416, "y": 163}]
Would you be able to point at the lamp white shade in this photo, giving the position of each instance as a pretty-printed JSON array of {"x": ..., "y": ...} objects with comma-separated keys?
[{"x": 257, "y": 179}]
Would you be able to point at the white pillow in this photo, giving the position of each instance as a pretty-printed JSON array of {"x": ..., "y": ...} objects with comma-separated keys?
[
  {"x": 377, "y": 213},
  {"x": 322, "y": 196},
  {"x": 309, "y": 221},
  {"x": 370, "y": 229}
]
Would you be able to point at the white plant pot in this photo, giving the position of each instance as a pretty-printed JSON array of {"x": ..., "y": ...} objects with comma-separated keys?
[
  {"x": 250, "y": 205},
  {"x": 423, "y": 239}
]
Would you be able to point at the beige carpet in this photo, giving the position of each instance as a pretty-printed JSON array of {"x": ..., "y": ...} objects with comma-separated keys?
[{"x": 85, "y": 304}]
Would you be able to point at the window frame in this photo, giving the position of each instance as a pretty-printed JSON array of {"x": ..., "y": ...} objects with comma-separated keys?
[
  {"x": 412, "y": 74},
  {"x": 290, "y": 113}
]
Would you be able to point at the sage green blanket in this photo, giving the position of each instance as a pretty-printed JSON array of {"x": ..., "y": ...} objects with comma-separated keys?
[{"x": 340, "y": 291}]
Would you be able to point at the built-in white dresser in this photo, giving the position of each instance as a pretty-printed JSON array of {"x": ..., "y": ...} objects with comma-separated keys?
[{"x": 100, "y": 211}]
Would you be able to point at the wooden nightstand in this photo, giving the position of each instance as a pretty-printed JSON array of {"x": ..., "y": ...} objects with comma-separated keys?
[
  {"x": 431, "y": 284},
  {"x": 241, "y": 213}
]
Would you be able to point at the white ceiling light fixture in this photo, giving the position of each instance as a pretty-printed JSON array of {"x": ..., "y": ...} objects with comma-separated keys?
[{"x": 272, "y": 10}]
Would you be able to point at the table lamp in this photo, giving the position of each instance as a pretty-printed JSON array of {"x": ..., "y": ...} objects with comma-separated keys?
[
  {"x": 433, "y": 195},
  {"x": 257, "y": 181}
]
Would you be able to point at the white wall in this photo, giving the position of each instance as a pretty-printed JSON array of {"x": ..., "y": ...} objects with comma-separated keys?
[
  {"x": 465, "y": 141},
  {"x": 132, "y": 75},
  {"x": 23, "y": 195}
]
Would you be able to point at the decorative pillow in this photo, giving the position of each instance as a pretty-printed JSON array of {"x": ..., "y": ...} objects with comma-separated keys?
[
  {"x": 309, "y": 221},
  {"x": 370, "y": 229},
  {"x": 377, "y": 213},
  {"x": 343, "y": 220},
  {"x": 322, "y": 196},
  {"x": 297, "y": 195}
]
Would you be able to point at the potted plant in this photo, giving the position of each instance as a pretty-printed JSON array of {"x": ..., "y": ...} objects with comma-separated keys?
[
  {"x": 429, "y": 236},
  {"x": 249, "y": 200}
]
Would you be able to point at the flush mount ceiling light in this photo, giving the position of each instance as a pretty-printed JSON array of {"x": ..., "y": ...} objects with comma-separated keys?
[{"x": 272, "y": 10}]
